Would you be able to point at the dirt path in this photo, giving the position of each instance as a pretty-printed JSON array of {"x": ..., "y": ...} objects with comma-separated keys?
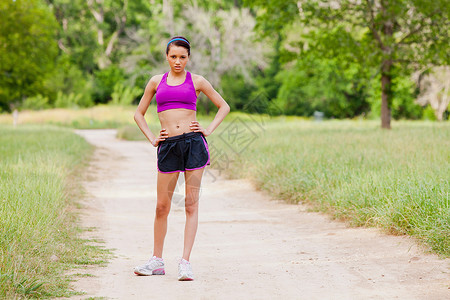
[{"x": 247, "y": 246}]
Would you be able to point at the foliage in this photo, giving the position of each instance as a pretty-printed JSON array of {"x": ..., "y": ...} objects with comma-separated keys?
[
  {"x": 428, "y": 113},
  {"x": 105, "y": 81},
  {"x": 76, "y": 37},
  {"x": 301, "y": 56},
  {"x": 329, "y": 85},
  {"x": 28, "y": 49},
  {"x": 404, "y": 91},
  {"x": 70, "y": 100},
  {"x": 124, "y": 95},
  {"x": 35, "y": 103},
  {"x": 266, "y": 83},
  {"x": 382, "y": 36},
  {"x": 403, "y": 95},
  {"x": 235, "y": 90},
  {"x": 68, "y": 79}
]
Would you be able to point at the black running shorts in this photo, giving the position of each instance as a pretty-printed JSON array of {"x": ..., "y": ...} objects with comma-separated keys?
[{"x": 184, "y": 152}]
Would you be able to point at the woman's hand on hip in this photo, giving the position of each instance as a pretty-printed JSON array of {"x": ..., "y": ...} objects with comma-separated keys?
[
  {"x": 196, "y": 127},
  {"x": 162, "y": 136}
]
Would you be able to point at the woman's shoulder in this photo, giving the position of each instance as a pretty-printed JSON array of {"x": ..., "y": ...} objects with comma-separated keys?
[
  {"x": 196, "y": 76},
  {"x": 155, "y": 80},
  {"x": 198, "y": 79},
  {"x": 157, "y": 77}
]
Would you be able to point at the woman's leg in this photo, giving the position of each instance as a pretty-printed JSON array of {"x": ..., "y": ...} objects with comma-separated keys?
[
  {"x": 193, "y": 180},
  {"x": 166, "y": 185}
]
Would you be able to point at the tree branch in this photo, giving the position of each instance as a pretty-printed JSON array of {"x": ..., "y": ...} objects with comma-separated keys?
[
  {"x": 372, "y": 25},
  {"x": 121, "y": 19},
  {"x": 421, "y": 23},
  {"x": 62, "y": 47},
  {"x": 97, "y": 15}
]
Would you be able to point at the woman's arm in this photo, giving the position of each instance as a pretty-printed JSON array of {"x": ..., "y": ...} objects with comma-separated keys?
[
  {"x": 149, "y": 92},
  {"x": 207, "y": 89}
]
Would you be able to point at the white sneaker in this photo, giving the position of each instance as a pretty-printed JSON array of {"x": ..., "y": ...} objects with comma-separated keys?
[
  {"x": 155, "y": 266},
  {"x": 185, "y": 271}
]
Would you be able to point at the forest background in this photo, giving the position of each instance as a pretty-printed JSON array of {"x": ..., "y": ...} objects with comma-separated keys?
[{"x": 342, "y": 58}]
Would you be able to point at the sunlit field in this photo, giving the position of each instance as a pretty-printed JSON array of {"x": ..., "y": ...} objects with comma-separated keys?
[
  {"x": 39, "y": 171},
  {"x": 101, "y": 116},
  {"x": 395, "y": 179}
]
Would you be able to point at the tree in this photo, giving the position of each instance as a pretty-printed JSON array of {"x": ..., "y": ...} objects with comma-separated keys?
[
  {"x": 108, "y": 31},
  {"x": 222, "y": 41},
  {"x": 27, "y": 49},
  {"x": 77, "y": 37},
  {"x": 395, "y": 33}
]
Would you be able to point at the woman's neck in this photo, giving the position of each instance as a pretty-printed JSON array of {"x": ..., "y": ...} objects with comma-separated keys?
[{"x": 174, "y": 75}]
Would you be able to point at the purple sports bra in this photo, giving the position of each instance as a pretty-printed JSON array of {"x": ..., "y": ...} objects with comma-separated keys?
[{"x": 177, "y": 96}]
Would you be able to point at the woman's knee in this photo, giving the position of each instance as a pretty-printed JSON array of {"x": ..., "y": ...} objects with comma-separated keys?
[
  {"x": 162, "y": 210},
  {"x": 191, "y": 205}
]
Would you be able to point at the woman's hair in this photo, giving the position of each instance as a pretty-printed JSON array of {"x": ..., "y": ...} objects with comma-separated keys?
[{"x": 179, "y": 41}]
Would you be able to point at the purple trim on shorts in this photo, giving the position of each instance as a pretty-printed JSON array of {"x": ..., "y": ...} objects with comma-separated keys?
[{"x": 196, "y": 168}]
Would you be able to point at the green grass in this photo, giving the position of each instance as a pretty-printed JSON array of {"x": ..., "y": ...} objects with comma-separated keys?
[
  {"x": 39, "y": 183},
  {"x": 395, "y": 179}
]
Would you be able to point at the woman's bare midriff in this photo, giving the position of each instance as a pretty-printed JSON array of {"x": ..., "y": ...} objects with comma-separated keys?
[{"x": 176, "y": 121}]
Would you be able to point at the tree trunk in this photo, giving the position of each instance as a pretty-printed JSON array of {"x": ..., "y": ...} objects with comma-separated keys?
[
  {"x": 386, "y": 77},
  {"x": 385, "y": 96}
]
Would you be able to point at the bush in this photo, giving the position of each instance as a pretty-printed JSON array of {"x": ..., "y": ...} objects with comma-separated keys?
[
  {"x": 72, "y": 100},
  {"x": 68, "y": 79},
  {"x": 428, "y": 113},
  {"x": 36, "y": 103},
  {"x": 322, "y": 85},
  {"x": 105, "y": 81},
  {"x": 235, "y": 90},
  {"x": 124, "y": 95}
]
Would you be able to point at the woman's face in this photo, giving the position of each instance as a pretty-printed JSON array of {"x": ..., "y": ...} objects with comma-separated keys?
[{"x": 177, "y": 58}]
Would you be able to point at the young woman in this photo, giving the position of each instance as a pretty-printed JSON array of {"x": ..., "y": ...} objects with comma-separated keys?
[{"x": 181, "y": 147}]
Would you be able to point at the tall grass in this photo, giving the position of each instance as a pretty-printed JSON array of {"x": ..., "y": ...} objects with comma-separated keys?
[
  {"x": 396, "y": 179},
  {"x": 38, "y": 238}
]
